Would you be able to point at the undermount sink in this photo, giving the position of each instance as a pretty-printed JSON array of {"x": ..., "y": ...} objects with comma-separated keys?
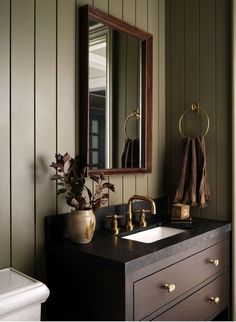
[{"x": 154, "y": 234}]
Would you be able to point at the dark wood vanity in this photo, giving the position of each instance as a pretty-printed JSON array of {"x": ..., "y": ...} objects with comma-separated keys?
[{"x": 117, "y": 279}]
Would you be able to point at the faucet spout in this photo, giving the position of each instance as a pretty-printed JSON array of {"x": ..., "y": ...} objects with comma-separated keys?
[
  {"x": 130, "y": 202},
  {"x": 144, "y": 198}
]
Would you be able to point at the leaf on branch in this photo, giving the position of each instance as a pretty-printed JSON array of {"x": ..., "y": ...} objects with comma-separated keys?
[
  {"x": 66, "y": 157},
  {"x": 94, "y": 178},
  {"x": 109, "y": 186},
  {"x": 62, "y": 190}
]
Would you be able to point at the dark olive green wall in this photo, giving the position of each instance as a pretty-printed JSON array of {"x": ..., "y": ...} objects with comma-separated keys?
[
  {"x": 37, "y": 89},
  {"x": 198, "y": 68}
]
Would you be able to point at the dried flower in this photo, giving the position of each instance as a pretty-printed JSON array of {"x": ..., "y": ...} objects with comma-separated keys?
[{"x": 70, "y": 179}]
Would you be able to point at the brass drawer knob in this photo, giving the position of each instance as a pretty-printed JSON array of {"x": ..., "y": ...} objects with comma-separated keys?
[
  {"x": 214, "y": 299},
  {"x": 215, "y": 262},
  {"x": 169, "y": 287}
]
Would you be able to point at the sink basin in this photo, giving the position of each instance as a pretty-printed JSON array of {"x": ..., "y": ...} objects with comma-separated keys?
[{"x": 154, "y": 234}]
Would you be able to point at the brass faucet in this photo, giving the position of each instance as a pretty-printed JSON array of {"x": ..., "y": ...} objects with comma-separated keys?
[{"x": 129, "y": 215}]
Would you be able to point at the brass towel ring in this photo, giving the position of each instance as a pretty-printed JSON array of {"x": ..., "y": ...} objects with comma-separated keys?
[
  {"x": 136, "y": 115},
  {"x": 194, "y": 108}
]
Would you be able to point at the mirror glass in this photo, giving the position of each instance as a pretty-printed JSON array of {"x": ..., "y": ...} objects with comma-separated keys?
[{"x": 115, "y": 96}]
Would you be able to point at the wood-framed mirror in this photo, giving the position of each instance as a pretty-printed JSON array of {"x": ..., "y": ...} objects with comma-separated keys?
[{"x": 115, "y": 94}]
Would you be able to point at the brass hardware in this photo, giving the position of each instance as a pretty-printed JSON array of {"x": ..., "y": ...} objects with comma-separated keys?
[
  {"x": 136, "y": 115},
  {"x": 114, "y": 223},
  {"x": 215, "y": 262},
  {"x": 129, "y": 223},
  {"x": 169, "y": 287},
  {"x": 194, "y": 108},
  {"x": 214, "y": 299},
  {"x": 142, "y": 218},
  {"x": 143, "y": 222}
]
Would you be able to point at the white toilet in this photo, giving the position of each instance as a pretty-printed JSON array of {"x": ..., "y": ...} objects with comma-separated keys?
[{"x": 20, "y": 296}]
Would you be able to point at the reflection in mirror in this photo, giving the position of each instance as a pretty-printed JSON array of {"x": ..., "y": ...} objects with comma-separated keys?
[
  {"x": 99, "y": 76},
  {"x": 119, "y": 89}
]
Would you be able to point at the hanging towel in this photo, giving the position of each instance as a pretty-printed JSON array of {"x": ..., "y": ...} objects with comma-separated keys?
[
  {"x": 130, "y": 155},
  {"x": 193, "y": 188},
  {"x": 203, "y": 183}
]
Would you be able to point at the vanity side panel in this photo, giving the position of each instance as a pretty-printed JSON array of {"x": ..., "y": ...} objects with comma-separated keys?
[{"x": 83, "y": 287}]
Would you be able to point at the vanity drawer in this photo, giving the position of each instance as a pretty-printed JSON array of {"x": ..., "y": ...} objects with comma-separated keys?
[
  {"x": 199, "y": 307},
  {"x": 149, "y": 292}
]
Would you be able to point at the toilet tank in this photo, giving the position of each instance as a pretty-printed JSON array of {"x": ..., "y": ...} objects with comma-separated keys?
[{"x": 20, "y": 296}]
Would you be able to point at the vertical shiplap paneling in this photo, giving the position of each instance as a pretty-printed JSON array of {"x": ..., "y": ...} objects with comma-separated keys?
[
  {"x": 101, "y": 4},
  {"x": 208, "y": 93},
  {"x": 37, "y": 108},
  {"x": 168, "y": 95},
  {"x": 45, "y": 115},
  {"x": 129, "y": 181},
  {"x": 115, "y": 9},
  {"x": 176, "y": 90},
  {"x": 65, "y": 83},
  {"x": 191, "y": 71},
  {"x": 22, "y": 130},
  {"x": 161, "y": 135},
  {"x": 153, "y": 28},
  {"x": 205, "y": 38},
  {"x": 81, "y": 3},
  {"x": 142, "y": 23},
  {"x": 5, "y": 213},
  {"x": 223, "y": 109}
]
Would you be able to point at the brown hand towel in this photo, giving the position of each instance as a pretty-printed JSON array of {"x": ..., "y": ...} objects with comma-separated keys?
[
  {"x": 130, "y": 155},
  {"x": 180, "y": 191},
  {"x": 203, "y": 189},
  {"x": 193, "y": 188}
]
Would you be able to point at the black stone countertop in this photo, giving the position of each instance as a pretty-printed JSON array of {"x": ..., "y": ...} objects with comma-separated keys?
[{"x": 135, "y": 254}]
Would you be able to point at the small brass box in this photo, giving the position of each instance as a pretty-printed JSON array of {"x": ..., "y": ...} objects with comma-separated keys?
[{"x": 180, "y": 211}]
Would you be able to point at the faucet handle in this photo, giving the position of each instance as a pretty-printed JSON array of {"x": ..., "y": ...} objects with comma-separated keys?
[
  {"x": 114, "y": 223},
  {"x": 114, "y": 216},
  {"x": 143, "y": 212},
  {"x": 129, "y": 223},
  {"x": 143, "y": 222}
]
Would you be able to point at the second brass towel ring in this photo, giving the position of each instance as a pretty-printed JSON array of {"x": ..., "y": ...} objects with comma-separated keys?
[
  {"x": 136, "y": 115},
  {"x": 194, "y": 108}
]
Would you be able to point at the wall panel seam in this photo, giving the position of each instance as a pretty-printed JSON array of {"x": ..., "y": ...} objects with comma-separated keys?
[
  {"x": 35, "y": 228},
  {"x": 56, "y": 94},
  {"x": 215, "y": 108},
  {"x": 10, "y": 128}
]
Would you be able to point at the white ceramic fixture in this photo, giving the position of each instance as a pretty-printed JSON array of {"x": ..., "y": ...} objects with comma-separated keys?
[
  {"x": 20, "y": 296},
  {"x": 154, "y": 234}
]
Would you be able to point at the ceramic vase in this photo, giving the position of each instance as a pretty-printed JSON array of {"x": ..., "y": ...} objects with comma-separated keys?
[{"x": 81, "y": 226}]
